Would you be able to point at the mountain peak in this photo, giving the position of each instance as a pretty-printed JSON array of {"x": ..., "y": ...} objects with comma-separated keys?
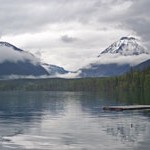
[
  {"x": 127, "y": 38},
  {"x": 126, "y": 46},
  {"x": 6, "y": 44}
]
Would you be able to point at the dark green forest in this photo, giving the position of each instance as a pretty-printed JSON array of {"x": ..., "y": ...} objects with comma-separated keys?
[{"x": 134, "y": 85}]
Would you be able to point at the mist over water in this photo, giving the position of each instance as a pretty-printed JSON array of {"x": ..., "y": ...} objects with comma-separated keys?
[{"x": 69, "y": 121}]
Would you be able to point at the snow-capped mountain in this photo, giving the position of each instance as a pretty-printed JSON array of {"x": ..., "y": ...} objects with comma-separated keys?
[
  {"x": 19, "y": 63},
  {"x": 126, "y": 46},
  {"x": 117, "y": 59}
]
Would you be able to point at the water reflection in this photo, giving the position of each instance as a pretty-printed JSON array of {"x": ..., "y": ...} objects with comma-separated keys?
[
  {"x": 68, "y": 120},
  {"x": 127, "y": 129},
  {"x": 25, "y": 106}
]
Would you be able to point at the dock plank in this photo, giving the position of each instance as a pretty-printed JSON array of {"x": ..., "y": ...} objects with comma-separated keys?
[{"x": 129, "y": 107}]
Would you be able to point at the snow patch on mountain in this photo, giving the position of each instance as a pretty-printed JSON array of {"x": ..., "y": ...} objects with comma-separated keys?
[
  {"x": 54, "y": 70},
  {"x": 69, "y": 75}
]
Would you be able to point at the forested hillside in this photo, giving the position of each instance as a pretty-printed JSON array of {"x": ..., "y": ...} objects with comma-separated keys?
[{"x": 135, "y": 84}]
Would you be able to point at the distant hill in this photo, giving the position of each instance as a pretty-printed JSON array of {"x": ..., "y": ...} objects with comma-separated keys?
[{"x": 143, "y": 65}]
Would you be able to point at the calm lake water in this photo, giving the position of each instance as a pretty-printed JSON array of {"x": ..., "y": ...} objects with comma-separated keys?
[{"x": 69, "y": 121}]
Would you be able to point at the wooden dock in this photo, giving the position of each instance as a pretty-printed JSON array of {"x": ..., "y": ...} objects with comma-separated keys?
[{"x": 129, "y": 107}]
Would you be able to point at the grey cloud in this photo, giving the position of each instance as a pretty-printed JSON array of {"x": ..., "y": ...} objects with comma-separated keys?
[
  {"x": 140, "y": 25},
  {"x": 132, "y": 60},
  {"x": 96, "y": 22},
  {"x": 137, "y": 19},
  {"x": 32, "y": 16},
  {"x": 29, "y": 16},
  {"x": 117, "y": 59},
  {"x": 68, "y": 39}
]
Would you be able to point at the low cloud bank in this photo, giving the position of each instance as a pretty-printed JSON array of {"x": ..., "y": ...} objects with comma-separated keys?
[
  {"x": 11, "y": 55},
  {"x": 69, "y": 75},
  {"x": 118, "y": 59}
]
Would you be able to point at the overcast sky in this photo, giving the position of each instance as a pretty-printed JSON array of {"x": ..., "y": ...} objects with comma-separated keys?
[{"x": 69, "y": 33}]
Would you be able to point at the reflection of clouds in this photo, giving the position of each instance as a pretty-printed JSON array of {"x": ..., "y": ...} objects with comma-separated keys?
[
  {"x": 127, "y": 128},
  {"x": 128, "y": 132},
  {"x": 75, "y": 121},
  {"x": 20, "y": 111}
]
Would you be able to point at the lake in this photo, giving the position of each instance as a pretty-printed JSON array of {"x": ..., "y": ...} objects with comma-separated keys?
[{"x": 69, "y": 121}]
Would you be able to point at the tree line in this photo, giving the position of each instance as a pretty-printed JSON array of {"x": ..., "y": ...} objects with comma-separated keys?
[{"x": 136, "y": 84}]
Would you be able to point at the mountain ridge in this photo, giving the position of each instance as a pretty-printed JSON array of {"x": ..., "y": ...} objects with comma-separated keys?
[
  {"x": 17, "y": 62},
  {"x": 2, "y": 43}
]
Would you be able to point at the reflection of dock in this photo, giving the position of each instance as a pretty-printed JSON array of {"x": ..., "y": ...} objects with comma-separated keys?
[{"x": 131, "y": 107}]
